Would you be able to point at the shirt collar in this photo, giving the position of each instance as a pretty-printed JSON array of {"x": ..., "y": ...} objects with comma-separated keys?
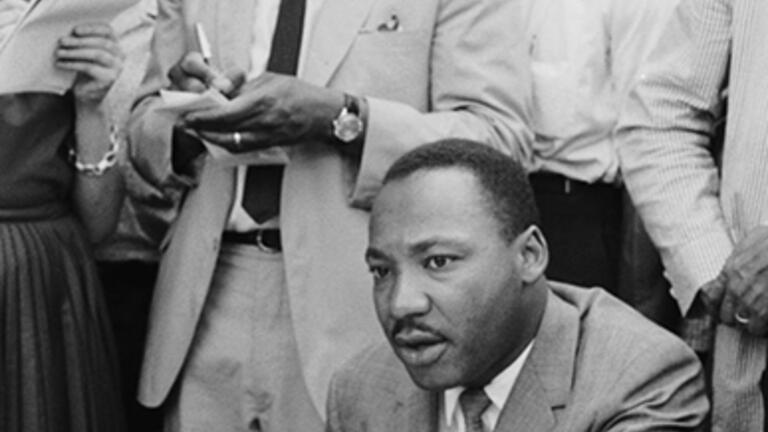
[{"x": 498, "y": 389}]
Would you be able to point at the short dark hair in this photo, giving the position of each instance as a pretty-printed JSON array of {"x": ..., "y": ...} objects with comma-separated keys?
[{"x": 504, "y": 181}]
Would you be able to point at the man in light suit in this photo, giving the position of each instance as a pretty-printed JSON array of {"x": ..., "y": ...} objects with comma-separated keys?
[
  {"x": 251, "y": 313},
  {"x": 707, "y": 217},
  {"x": 482, "y": 341}
]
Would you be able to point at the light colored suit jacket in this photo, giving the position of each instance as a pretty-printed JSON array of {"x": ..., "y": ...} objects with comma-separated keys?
[
  {"x": 454, "y": 68},
  {"x": 596, "y": 365},
  {"x": 693, "y": 212}
]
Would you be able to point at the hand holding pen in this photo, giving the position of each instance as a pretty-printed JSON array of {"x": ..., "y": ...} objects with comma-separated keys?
[{"x": 194, "y": 72}]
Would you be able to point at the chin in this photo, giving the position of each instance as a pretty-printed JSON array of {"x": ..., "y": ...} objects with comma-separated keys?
[{"x": 432, "y": 380}]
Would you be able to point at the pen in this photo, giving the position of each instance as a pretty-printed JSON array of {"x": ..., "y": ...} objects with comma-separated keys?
[{"x": 202, "y": 43}]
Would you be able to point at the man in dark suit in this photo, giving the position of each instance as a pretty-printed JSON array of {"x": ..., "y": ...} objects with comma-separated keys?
[{"x": 488, "y": 343}]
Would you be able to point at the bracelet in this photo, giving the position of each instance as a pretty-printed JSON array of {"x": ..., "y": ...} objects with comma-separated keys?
[{"x": 107, "y": 161}]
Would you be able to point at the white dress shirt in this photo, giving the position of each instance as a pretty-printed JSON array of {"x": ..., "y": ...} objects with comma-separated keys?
[
  {"x": 584, "y": 56},
  {"x": 264, "y": 23},
  {"x": 498, "y": 390}
]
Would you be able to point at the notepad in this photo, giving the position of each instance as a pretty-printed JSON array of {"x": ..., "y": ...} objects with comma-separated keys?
[{"x": 27, "y": 55}]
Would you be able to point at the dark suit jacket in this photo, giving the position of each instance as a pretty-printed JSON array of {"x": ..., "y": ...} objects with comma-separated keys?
[{"x": 596, "y": 365}]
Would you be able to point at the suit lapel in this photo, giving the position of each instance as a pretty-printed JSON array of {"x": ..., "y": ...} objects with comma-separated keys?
[
  {"x": 544, "y": 384},
  {"x": 333, "y": 32},
  {"x": 414, "y": 409}
]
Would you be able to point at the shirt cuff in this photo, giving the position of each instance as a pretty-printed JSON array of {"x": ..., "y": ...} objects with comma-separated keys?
[{"x": 688, "y": 268}]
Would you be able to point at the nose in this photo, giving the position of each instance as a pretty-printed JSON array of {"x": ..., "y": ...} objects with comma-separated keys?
[{"x": 409, "y": 297}]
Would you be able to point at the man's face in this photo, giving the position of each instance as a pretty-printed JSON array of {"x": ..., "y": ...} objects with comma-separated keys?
[{"x": 446, "y": 283}]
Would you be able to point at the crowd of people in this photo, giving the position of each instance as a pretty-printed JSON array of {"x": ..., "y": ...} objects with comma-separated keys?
[{"x": 380, "y": 215}]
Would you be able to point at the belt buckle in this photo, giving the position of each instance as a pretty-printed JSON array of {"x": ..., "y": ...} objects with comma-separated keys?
[{"x": 260, "y": 243}]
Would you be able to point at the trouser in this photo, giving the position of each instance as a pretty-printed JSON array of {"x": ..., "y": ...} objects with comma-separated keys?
[
  {"x": 243, "y": 372},
  {"x": 641, "y": 274},
  {"x": 128, "y": 287},
  {"x": 596, "y": 238},
  {"x": 582, "y": 225}
]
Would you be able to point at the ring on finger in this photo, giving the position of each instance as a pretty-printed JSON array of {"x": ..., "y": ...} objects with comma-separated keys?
[
  {"x": 237, "y": 138},
  {"x": 741, "y": 318}
]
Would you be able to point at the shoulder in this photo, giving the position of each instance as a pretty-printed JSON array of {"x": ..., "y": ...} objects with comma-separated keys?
[
  {"x": 628, "y": 369},
  {"x": 609, "y": 325}
]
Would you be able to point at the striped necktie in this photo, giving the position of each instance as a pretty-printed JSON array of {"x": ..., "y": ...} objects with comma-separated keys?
[{"x": 473, "y": 403}]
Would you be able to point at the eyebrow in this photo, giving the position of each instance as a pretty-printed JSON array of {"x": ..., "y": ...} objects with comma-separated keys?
[
  {"x": 419, "y": 247},
  {"x": 373, "y": 253},
  {"x": 426, "y": 244}
]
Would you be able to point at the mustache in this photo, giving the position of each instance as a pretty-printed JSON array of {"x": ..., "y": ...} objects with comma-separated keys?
[{"x": 407, "y": 326}]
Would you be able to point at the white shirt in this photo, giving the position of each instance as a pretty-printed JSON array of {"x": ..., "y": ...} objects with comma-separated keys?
[
  {"x": 584, "y": 57},
  {"x": 498, "y": 390},
  {"x": 264, "y": 23}
]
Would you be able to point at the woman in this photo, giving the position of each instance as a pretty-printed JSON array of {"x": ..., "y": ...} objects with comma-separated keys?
[{"x": 58, "y": 194}]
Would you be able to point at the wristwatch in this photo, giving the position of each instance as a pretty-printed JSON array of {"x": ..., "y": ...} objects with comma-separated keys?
[{"x": 348, "y": 126}]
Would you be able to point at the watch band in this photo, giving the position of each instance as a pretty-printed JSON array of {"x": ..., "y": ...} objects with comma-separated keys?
[{"x": 351, "y": 104}]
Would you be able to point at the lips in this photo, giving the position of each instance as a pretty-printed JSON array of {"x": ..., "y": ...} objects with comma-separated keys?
[{"x": 419, "y": 348}]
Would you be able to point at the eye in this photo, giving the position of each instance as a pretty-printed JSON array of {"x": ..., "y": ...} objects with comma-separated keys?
[
  {"x": 437, "y": 262},
  {"x": 378, "y": 272}
]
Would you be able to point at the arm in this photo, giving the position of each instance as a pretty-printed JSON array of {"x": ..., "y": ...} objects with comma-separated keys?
[
  {"x": 480, "y": 89},
  {"x": 92, "y": 51},
  {"x": 97, "y": 199},
  {"x": 661, "y": 389},
  {"x": 664, "y": 139},
  {"x": 150, "y": 131},
  {"x": 635, "y": 28}
]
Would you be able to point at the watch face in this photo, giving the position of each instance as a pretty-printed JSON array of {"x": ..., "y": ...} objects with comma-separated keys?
[{"x": 347, "y": 127}]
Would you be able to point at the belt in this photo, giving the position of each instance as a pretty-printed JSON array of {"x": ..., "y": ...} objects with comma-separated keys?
[
  {"x": 268, "y": 239},
  {"x": 559, "y": 184}
]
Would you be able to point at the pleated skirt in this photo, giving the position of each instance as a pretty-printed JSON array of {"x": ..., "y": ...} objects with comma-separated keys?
[{"x": 58, "y": 365}]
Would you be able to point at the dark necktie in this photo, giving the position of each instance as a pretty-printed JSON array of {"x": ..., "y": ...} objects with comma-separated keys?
[
  {"x": 473, "y": 403},
  {"x": 261, "y": 196}
]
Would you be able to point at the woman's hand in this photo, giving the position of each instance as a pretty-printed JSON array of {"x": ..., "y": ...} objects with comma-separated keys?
[{"x": 93, "y": 52}]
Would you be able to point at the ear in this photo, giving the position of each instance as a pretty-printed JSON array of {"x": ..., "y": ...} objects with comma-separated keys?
[{"x": 534, "y": 254}]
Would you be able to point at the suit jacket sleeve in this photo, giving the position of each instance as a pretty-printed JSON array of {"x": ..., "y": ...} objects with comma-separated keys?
[
  {"x": 479, "y": 89},
  {"x": 661, "y": 389},
  {"x": 664, "y": 145},
  {"x": 150, "y": 130}
]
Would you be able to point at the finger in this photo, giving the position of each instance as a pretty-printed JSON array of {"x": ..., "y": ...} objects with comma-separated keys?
[
  {"x": 106, "y": 45},
  {"x": 749, "y": 285},
  {"x": 751, "y": 264},
  {"x": 755, "y": 297},
  {"x": 237, "y": 78},
  {"x": 222, "y": 139},
  {"x": 712, "y": 293},
  {"x": 95, "y": 76},
  {"x": 194, "y": 64},
  {"x": 182, "y": 81},
  {"x": 93, "y": 29},
  {"x": 86, "y": 55},
  {"x": 243, "y": 112},
  {"x": 728, "y": 309},
  {"x": 188, "y": 84},
  {"x": 247, "y": 141}
]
